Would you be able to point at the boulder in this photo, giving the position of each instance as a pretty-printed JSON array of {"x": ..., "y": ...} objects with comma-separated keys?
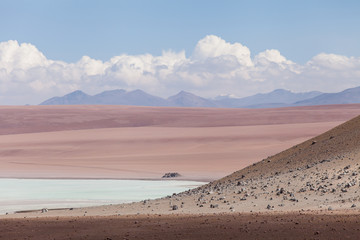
[{"x": 171, "y": 175}]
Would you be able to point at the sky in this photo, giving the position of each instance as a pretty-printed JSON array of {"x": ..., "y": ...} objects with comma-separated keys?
[{"x": 52, "y": 47}]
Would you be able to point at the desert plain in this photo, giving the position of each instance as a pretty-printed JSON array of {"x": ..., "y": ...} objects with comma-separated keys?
[
  {"x": 257, "y": 189},
  {"x": 126, "y": 142}
]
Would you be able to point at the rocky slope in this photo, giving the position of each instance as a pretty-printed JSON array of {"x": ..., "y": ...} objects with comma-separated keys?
[
  {"x": 319, "y": 174},
  {"x": 322, "y": 172}
]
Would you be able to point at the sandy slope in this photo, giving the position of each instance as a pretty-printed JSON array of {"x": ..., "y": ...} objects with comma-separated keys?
[{"x": 146, "y": 142}]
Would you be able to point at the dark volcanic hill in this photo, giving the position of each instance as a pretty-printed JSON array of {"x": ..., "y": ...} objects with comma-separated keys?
[
  {"x": 338, "y": 146},
  {"x": 321, "y": 173}
]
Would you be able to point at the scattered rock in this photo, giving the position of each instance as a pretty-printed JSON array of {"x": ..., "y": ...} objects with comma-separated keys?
[
  {"x": 171, "y": 175},
  {"x": 44, "y": 210}
]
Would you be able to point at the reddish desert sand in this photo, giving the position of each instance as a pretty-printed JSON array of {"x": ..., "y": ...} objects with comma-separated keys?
[
  {"x": 220, "y": 226},
  {"x": 309, "y": 191},
  {"x": 145, "y": 142}
]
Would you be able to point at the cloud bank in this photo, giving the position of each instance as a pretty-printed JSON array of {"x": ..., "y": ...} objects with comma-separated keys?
[{"x": 214, "y": 67}]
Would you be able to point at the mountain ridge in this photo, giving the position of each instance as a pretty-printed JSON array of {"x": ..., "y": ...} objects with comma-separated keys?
[
  {"x": 274, "y": 99},
  {"x": 350, "y": 95},
  {"x": 187, "y": 99}
]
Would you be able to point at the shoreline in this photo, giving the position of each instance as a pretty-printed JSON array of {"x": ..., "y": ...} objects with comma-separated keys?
[
  {"x": 39, "y": 215},
  {"x": 265, "y": 213},
  {"x": 25, "y": 203},
  {"x": 135, "y": 179}
]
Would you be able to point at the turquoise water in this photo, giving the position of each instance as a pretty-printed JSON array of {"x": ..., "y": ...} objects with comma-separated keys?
[{"x": 28, "y": 194}]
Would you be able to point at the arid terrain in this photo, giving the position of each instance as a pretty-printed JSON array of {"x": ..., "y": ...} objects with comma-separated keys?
[
  {"x": 146, "y": 142},
  {"x": 215, "y": 226},
  {"x": 309, "y": 191}
]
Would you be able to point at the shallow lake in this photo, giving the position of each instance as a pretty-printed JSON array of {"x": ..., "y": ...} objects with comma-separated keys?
[{"x": 28, "y": 194}]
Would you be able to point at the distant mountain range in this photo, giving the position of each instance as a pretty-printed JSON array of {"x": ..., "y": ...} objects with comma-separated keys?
[
  {"x": 351, "y": 95},
  {"x": 276, "y": 98},
  {"x": 186, "y": 99},
  {"x": 113, "y": 97}
]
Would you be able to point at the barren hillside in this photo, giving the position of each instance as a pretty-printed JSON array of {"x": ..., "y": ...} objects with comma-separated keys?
[{"x": 321, "y": 173}]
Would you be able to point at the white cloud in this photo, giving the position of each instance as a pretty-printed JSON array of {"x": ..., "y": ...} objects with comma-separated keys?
[
  {"x": 215, "y": 66},
  {"x": 91, "y": 66},
  {"x": 213, "y": 46},
  {"x": 23, "y": 56},
  {"x": 334, "y": 62},
  {"x": 270, "y": 56}
]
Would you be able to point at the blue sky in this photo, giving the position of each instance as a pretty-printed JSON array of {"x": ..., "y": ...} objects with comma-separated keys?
[
  {"x": 67, "y": 30},
  {"x": 64, "y": 30}
]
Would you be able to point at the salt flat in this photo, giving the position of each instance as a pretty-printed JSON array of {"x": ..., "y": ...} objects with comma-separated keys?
[{"x": 32, "y": 194}]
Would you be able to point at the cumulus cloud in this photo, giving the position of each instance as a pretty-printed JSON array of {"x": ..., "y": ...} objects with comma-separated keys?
[
  {"x": 25, "y": 56},
  {"x": 215, "y": 67},
  {"x": 334, "y": 62},
  {"x": 271, "y": 56},
  {"x": 213, "y": 46}
]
